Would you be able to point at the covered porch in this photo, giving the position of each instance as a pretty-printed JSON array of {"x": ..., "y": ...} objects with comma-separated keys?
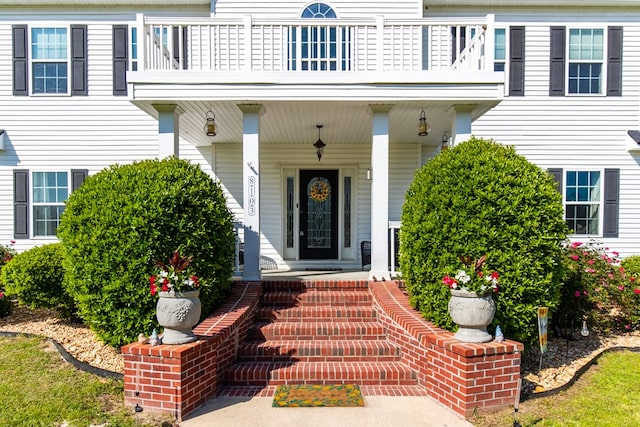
[{"x": 360, "y": 87}]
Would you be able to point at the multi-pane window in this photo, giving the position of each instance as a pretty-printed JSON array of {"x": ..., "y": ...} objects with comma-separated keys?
[
  {"x": 500, "y": 50},
  {"x": 586, "y": 58},
  {"x": 50, "y": 191},
  {"x": 49, "y": 54},
  {"x": 134, "y": 49},
  {"x": 320, "y": 47},
  {"x": 583, "y": 199}
]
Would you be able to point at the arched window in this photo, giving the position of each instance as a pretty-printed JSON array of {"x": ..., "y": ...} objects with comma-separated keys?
[
  {"x": 318, "y": 10},
  {"x": 323, "y": 47}
]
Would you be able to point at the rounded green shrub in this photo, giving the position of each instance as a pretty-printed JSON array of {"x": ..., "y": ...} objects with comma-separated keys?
[
  {"x": 123, "y": 220},
  {"x": 483, "y": 198},
  {"x": 631, "y": 265},
  {"x": 35, "y": 277}
]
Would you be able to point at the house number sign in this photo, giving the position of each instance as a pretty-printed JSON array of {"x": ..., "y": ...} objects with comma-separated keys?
[{"x": 252, "y": 196}]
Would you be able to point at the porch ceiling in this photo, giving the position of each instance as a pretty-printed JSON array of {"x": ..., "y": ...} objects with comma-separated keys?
[{"x": 294, "y": 122}]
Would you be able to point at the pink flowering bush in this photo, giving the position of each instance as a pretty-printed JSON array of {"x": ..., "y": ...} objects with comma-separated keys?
[
  {"x": 6, "y": 254},
  {"x": 597, "y": 289}
]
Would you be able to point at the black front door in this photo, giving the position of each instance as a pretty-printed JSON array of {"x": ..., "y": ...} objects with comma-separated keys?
[{"x": 318, "y": 214}]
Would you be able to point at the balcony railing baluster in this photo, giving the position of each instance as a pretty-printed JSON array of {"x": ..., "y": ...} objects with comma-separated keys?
[{"x": 328, "y": 45}]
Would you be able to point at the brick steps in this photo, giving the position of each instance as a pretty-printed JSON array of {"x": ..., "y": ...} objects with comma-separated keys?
[
  {"x": 277, "y": 373},
  {"x": 319, "y": 351},
  {"x": 318, "y": 332}
]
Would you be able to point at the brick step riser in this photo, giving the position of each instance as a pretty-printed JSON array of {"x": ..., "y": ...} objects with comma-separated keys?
[
  {"x": 317, "y": 314},
  {"x": 268, "y": 377},
  {"x": 298, "y": 286},
  {"x": 310, "y": 299},
  {"x": 379, "y": 351},
  {"x": 309, "y": 331}
]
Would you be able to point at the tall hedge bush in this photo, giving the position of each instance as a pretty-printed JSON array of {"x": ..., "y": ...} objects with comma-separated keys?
[
  {"x": 124, "y": 219},
  {"x": 483, "y": 198}
]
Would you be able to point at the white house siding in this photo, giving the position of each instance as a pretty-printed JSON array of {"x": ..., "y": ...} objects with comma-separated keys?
[
  {"x": 403, "y": 161},
  {"x": 575, "y": 132},
  {"x": 72, "y": 132},
  {"x": 344, "y": 9}
]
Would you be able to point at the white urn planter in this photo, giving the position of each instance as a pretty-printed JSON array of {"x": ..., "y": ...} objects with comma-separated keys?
[
  {"x": 178, "y": 313},
  {"x": 472, "y": 313}
]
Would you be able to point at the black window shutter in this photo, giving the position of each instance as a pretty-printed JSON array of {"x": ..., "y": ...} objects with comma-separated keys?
[
  {"x": 120, "y": 59},
  {"x": 79, "y": 67},
  {"x": 611, "y": 202},
  {"x": 177, "y": 47},
  {"x": 557, "y": 177},
  {"x": 516, "y": 61},
  {"x": 77, "y": 178},
  {"x": 20, "y": 204},
  {"x": 20, "y": 60},
  {"x": 614, "y": 62},
  {"x": 557, "y": 64}
]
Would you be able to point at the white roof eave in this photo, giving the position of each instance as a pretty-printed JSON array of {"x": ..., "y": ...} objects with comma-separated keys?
[
  {"x": 529, "y": 3},
  {"x": 103, "y": 3}
]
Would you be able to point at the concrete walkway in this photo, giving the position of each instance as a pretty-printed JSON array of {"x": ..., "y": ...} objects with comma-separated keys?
[{"x": 379, "y": 411}]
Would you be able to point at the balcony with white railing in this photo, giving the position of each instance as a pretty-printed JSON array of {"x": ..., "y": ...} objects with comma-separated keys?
[{"x": 323, "y": 45}]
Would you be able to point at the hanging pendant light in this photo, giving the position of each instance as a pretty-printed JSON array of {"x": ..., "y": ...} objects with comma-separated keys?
[
  {"x": 210, "y": 127},
  {"x": 319, "y": 144},
  {"x": 423, "y": 126}
]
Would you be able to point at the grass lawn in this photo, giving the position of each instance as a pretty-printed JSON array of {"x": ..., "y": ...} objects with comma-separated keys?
[
  {"x": 606, "y": 395},
  {"x": 38, "y": 388}
]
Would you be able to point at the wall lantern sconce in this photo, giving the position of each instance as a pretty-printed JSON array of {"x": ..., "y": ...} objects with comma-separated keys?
[
  {"x": 445, "y": 142},
  {"x": 319, "y": 144},
  {"x": 423, "y": 126},
  {"x": 210, "y": 126}
]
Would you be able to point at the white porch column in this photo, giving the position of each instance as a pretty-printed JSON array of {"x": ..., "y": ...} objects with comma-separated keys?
[
  {"x": 168, "y": 130},
  {"x": 380, "y": 193},
  {"x": 461, "y": 127},
  {"x": 251, "y": 189}
]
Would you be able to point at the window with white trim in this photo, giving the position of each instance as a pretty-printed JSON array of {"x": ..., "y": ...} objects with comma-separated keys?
[
  {"x": 50, "y": 60},
  {"x": 320, "y": 47},
  {"x": 583, "y": 201},
  {"x": 585, "y": 60},
  {"x": 50, "y": 191}
]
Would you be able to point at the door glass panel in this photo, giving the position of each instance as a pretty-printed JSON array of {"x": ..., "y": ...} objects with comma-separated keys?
[
  {"x": 319, "y": 213},
  {"x": 290, "y": 211},
  {"x": 347, "y": 211}
]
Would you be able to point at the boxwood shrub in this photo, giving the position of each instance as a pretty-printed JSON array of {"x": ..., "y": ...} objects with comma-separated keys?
[
  {"x": 483, "y": 198},
  {"x": 35, "y": 277},
  {"x": 124, "y": 219}
]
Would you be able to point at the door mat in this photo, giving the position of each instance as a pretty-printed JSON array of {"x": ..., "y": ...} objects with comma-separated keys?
[{"x": 302, "y": 395}]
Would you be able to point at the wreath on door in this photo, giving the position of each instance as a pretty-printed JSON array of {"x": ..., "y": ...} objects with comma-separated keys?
[{"x": 319, "y": 190}]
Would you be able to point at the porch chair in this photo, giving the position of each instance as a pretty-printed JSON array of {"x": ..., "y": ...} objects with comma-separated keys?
[{"x": 365, "y": 252}]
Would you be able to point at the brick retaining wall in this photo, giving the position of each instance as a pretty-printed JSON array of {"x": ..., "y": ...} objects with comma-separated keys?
[{"x": 466, "y": 377}]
